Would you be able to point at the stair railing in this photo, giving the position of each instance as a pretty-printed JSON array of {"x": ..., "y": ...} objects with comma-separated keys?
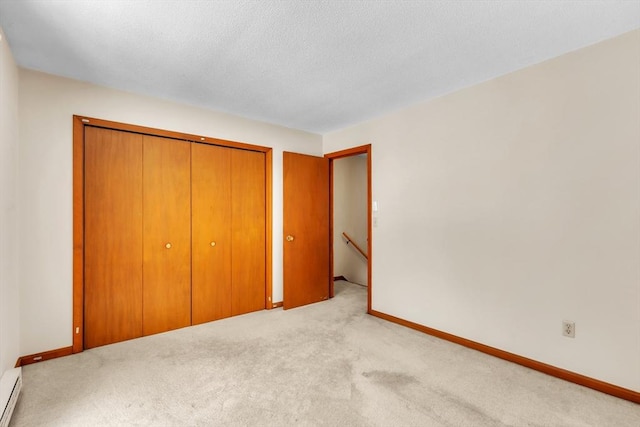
[{"x": 355, "y": 245}]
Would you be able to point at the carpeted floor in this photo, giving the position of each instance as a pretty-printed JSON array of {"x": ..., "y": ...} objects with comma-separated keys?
[{"x": 328, "y": 364}]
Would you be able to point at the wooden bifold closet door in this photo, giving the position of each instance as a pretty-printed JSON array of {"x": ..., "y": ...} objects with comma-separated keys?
[
  {"x": 166, "y": 264},
  {"x": 211, "y": 226},
  {"x": 113, "y": 236},
  {"x": 174, "y": 234},
  {"x": 248, "y": 231},
  {"x": 228, "y": 225}
]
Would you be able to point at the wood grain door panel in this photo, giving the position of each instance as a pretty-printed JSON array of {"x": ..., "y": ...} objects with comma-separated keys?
[
  {"x": 175, "y": 234},
  {"x": 306, "y": 221},
  {"x": 167, "y": 234},
  {"x": 211, "y": 232},
  {"x": 248, "y": 219},
  {"x": 112, "y": 236}
]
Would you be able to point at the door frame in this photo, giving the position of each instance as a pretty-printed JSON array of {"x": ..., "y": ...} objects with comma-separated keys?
[
  {"x": 349, "y": 152},
  {"x": 79, "y": 123}
]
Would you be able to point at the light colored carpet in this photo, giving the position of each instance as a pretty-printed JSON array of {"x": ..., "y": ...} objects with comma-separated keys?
[{"x": 328, "y": 364}]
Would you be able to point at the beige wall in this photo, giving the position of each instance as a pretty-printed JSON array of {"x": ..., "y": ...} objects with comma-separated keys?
[
  {"x": 350, "y": 216},
  {"x": 509, "y": 206},
  {"x": 47, "y": 104},
  {"x": 9, "y": 292}
]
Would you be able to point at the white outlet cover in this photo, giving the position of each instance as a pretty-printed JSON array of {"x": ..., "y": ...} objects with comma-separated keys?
[{"x": 568, "y": 328}]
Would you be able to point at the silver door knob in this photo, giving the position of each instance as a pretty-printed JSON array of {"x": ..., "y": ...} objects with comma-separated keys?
[
  {"x": 289, "y": 238},
  {"x": 168, "y": 246},
  {"x": 213, "y": 244}
]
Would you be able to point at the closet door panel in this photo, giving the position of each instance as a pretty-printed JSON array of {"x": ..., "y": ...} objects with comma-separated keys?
[
  {"x": 113, "y": 236},
  {"x": 211, "y": 232},
  {"x": 248, "y": 231},
  {"x": 167, "y": 234}
]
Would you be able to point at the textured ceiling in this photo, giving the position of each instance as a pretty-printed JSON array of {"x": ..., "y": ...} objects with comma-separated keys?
[{"x": 315, "y": 65}]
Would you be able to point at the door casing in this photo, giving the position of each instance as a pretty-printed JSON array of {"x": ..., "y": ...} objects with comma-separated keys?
[{"x": 355, "y": 151}]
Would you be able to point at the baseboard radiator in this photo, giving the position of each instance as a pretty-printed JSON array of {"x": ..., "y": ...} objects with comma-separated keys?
[{"x": 10, "y": 386}]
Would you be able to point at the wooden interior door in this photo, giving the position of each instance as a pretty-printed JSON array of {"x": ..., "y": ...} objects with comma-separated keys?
[
  {"x": 167, "y": 234},
  {"x": 248, "y": 231},
  {"x": 211, "y": 232},
  {"x": 112, "y": 236},
  {"x": 306, "y": 229}
]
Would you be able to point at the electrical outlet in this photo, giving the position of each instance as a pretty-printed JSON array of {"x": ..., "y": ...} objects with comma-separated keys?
[{"x": 569, "y": 328}]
